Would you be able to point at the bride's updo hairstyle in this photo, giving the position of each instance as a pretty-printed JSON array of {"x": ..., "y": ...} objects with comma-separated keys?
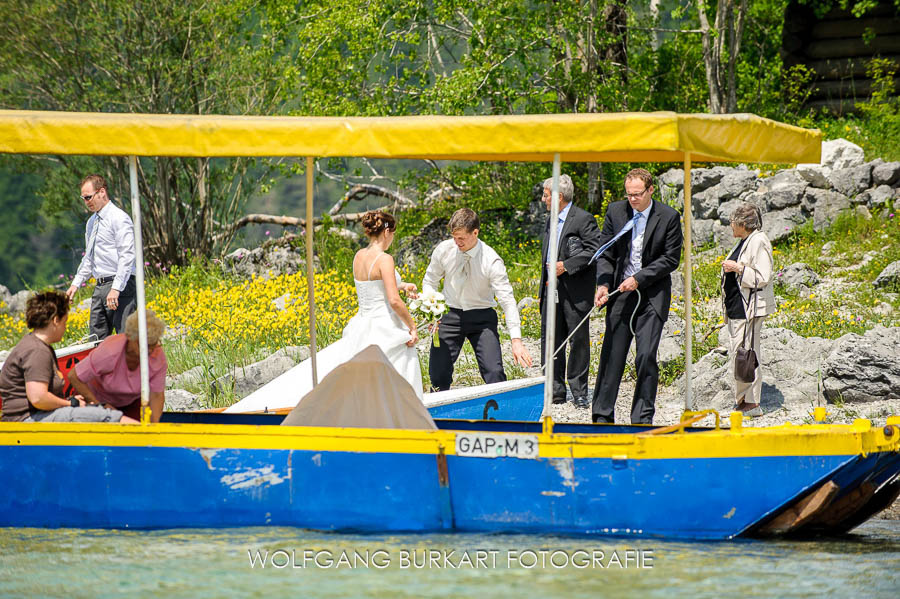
[{"x": 376, "y": 221}]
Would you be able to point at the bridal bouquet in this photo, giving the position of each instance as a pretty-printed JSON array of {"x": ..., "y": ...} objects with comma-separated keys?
[{"x": 428, "y": 308}]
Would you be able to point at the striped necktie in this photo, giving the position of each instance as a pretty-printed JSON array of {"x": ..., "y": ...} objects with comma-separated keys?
[{"x": 628, "y": 227}]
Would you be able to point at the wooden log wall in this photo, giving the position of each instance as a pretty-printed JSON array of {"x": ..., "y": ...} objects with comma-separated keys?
[{"x": 837, "y": 48}]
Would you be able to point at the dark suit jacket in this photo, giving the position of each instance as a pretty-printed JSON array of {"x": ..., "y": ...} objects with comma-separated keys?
[
  {"x": 660, "y": 256},
  {"x": 579, "y": 239}
]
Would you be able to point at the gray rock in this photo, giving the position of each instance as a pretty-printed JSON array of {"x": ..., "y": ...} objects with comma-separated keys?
[
  {"x": 5, "y": 297},
  {"x": 84, "y": 304},
  {"x": 737, "y": 182},
  {"x": 886, "y": 173},
  {"x": 828, "y": 205},
  {"x": 883, "y": 309},
  {"x": 281, "y": 302},
  {"x": 779, "y": 225},
  {"x": 704, "y": 178},
  {"x": 244, "y": 380},
  {"x": 17, "y": 302},
  {"x": 798, "y": 277},
  {"x": 881, "y": 195},
  {"x": 671, "y": 343},
  {"x": 785, "y": 188},
  {"x": 705, "y": 204},
  {"x": 274, "y": 259},
  {"x": 814, "y": 174},
  {"x": 863, "y": 212},
  {"x": 852, "y": 181},
  {"x": 413, "y": 248},
  {"x": 889, "y": 278},
  {"x": 677, "y": 283},
  {"x": 3, "y": 355},
  {"x": 726, "y": 209},
  {"x": 829, "y": 245},
  {"x": 670, "y": 184},
  {"x": 786, "y": 380},
  {"x": 863, "y": 368},
  {"x": 526, "y": 302},
  {"x": 702, "y": 231},
  {"x": 192, "y": 377},
  {"x": 840, "y": 153},
  {"x": 179, "y": 400}
]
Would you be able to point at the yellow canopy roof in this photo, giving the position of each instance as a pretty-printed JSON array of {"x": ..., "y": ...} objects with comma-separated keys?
[{"x": 618, "y": 137}]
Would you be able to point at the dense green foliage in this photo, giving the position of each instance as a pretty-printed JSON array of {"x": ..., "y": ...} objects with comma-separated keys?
[{"x": 370, "y": 57}]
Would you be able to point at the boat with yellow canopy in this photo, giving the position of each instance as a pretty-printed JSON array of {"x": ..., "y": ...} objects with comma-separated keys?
[{"x": 681, "y": 481}]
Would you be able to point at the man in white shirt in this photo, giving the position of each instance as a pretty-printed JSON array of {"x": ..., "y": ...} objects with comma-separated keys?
[
  {"x": 109, "y": 258},
  {"x": 473, "y": 275}
]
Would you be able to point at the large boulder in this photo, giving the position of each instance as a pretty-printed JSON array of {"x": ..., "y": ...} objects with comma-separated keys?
[
  {"x": 852, "y": 181},
  {"x": 779, "y": 225},
  {"x": 179, "y": 400},
  {"x": 863, "y": 368},
  {"x": 786, "y": 380},
  {"x": 5, "y": 297},
  {"x": 814, "y": 174},
  {"x": 785, "y": 188},
  {"x": 840, "y": 153},
  {"x": 16, "y": 304},
  {"x": 889, "y": 278},
  {"x": 269, "y": 259},
  {"x": 798, "y": 277},
  {"x": 886, "y": 173},
  {"x": 244, "y": 380},
  {"x": 879, "y": 196},
  {"x": 826, "y": 205}
]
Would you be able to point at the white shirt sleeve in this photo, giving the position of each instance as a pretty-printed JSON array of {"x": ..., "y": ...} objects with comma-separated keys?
[
  {"x": 503, "y": 290},
  {"x": 435, "y": 271},
  {"x": 125, "y": 248}
]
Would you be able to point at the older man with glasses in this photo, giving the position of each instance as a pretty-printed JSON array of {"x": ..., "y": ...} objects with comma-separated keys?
[
  {"x": 638, "y": 265},
  {"x": 109, "y": 258}
]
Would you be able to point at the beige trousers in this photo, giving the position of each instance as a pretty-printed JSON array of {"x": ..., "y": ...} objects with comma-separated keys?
[{"x": 745, "y": 392}]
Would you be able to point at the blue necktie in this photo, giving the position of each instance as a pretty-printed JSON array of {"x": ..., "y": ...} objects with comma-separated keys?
[{"x": 628, "y": 227}]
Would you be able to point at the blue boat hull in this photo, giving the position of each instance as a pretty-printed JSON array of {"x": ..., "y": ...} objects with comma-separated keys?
[{"x": 164, "y": 487}]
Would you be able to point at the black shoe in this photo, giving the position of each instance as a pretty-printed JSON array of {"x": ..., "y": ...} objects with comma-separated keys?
[
  {"x": 581, "y": 402},
  {"x": 559, "y": 400}
]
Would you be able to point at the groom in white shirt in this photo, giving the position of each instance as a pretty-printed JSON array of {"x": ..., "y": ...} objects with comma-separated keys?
[{"x": 473, "y": 275}]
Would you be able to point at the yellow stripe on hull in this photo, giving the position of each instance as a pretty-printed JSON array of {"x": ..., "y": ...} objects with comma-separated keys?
[{"x": 858, "y": 438}]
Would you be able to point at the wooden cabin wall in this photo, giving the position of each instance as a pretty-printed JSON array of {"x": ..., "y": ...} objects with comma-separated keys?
[{"x": 837, "y": 49}]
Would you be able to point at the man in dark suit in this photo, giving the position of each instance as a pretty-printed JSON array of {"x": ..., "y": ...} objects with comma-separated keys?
[
  {"x": 640, "y": 261},
  {"x": 578, "y": 238}
]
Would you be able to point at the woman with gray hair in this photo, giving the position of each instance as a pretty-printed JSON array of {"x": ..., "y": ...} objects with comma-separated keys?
[
  {"x": 111, "y": 374},
  {"x": 747, "y": 298}
]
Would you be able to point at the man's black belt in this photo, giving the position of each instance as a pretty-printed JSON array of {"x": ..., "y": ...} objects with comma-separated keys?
[{"x": 109, "y": 279}]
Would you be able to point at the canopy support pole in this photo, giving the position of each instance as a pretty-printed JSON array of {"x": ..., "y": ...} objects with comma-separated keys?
[
  {"x": 310, "y": 270},
  {"x": 141, "y": 300},
  {"x": 688, "y": 301},
  {"x": 550, "y": 300}
]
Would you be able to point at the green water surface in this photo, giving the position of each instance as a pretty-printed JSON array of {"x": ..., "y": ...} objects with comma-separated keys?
[{"x": 217, "y": 563}]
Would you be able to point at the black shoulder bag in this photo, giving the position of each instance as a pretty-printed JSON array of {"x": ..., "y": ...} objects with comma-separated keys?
[{"x": 745, "y": 360}]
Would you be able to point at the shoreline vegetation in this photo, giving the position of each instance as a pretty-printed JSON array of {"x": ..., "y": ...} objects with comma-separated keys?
[{"x": 219, "y": 323}]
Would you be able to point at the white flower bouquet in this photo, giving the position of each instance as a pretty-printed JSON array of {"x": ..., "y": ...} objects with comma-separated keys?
[{"x": 428, "y": 307}]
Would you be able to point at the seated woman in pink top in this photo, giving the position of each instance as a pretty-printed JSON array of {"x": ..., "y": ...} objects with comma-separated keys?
[{"x": 111, "y": 374}]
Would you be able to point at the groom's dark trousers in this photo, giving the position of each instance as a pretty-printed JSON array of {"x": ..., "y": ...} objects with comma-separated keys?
[{"x": 480, "y": 328}]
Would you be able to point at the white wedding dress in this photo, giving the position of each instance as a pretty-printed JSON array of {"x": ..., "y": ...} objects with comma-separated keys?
[{"x": 375, "y": 323}]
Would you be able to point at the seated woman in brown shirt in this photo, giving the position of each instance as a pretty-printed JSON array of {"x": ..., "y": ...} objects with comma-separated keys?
[{"x": 31, "y": 384}]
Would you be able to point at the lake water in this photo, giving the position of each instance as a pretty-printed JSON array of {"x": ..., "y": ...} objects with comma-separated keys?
[{"x": 217, "y": 563}]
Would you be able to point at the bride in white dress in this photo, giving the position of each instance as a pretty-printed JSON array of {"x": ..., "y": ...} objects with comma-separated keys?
[{"x": 382, "y": 319}]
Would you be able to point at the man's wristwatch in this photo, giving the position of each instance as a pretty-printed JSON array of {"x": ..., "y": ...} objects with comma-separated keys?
[{"x": 74, "y": 401}]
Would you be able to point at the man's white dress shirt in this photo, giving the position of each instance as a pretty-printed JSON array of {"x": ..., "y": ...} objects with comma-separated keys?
[
  {"x": 637, "y": 242},
  {"x": 472, "y": 279},
  {"x": 109, "y": 247}
]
